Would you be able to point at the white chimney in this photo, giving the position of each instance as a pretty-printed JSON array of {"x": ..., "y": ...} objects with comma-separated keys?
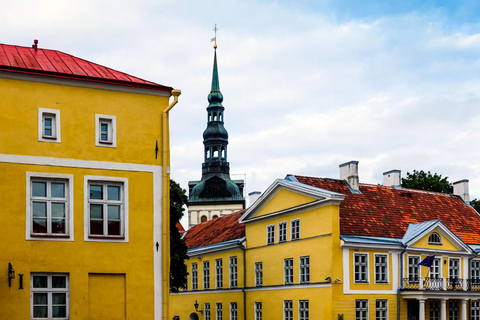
[
  {"x": 252, "y": 197},
  {"x": 392, "y": 178},
  {"x": 460, "y": 188},
  {"x": 349, "y": 172}
]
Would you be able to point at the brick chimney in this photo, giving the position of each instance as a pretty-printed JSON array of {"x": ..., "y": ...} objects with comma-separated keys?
[
  {"x": 392, "y": 178},
  {"x": 349, "y": 173},
  {"x": 460, "y": 188}
]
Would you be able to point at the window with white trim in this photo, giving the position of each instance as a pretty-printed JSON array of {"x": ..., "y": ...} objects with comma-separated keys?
[
  {"x": 453, "y": 309},
  {"x": 233, "y": 272},
  {"x": 219, "y": 311},
  {"x": 207, "y": 311},
  {"x": 474, "y": 309},
  {"x": 271, "y": 234},
  {"x": 361, "y": 309},
  {"x": 303, "y": 310},
  {"x": 105, "y": 130},
  {"x": 233, "y": 311},
  {"x": 288, "y": 270},
  {"x": 475, "y": 270},
  {"x": 287, "y": 310},
  {"x": 434, "y": 238},
  {"x": 381, "y": 268},
  {"x": 258, "y": 311},
  {"x": 48, "y": 125},
  {"x": 107, "y": 209},
  {"x": 194, "y": 276},
  {"x": 282, "y": 231},
  {"x": 381, "y": 310},
  {"x": 219, "y": 273},
  {"x": 454, "y": 268},
  {"x": 361, "y": 267},
  {"x": 413, "y": 269},
  {"x": 206, "y": 275},
  {"x": 295, "y": 229},
  {"x": 49, "y": 296},
  {"x": 434, "y": 310},
  {"x": 258, "y": 274},
  {"x": 435, "y": 269},
  {"x": 305, "y": 269}
]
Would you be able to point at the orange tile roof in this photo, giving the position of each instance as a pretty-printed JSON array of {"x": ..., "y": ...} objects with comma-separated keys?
[
  {"x": 180, "y": 228},
  {"x": 57, "y": 64},
  {"x": 382, "y": 211},
  {"x": 215, "y": 231}
]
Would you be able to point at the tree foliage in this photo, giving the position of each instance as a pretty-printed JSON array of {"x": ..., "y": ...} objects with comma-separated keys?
[
  {"x": 475, "y": 203},
  {"x": 178, "y": 249},
  {"x": 422, "y": 180}
]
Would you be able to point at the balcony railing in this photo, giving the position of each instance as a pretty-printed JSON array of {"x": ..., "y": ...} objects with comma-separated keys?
[{"x": 450, "y": 284}]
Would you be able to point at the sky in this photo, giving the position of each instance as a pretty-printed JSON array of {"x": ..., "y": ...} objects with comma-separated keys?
[{"x": 307, "y": 85}]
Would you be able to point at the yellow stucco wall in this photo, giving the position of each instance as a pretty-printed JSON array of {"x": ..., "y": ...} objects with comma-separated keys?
[
  {"x": 283, "y": 199},
  {"x": 446, "y": 244}
]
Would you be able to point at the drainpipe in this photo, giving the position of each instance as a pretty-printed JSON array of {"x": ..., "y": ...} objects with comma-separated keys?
[
  {"x": 166, "y": 203},
  {"x": 401, "y": 279},
  {"x": 244, "y": 284}
]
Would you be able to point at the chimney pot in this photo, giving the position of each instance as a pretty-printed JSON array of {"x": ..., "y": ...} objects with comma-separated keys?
[
  {"x": 349, "y": 173},
  {"x": 460, "y": 188},
  {"x": 252, "y": 197},
  {"x": 392, "y": 178}
]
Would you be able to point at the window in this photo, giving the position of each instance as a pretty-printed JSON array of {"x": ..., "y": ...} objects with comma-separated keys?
[
  {"x": 219, "y": 273},
  {"x": 413, "y": 269},
  {"x": 435, "y": 269},
  {"x": 303, "y": 310},
  {"x": 475, "y": 270},
  {"x": 282, "y": 232},
  {"x": 258, "y": 311},
  {"x": 49, "y": 213},
  {"x": 295, "y": 232},
  {"x": 361, "y": 267},
  {"x": 305, "y": 269},
  {"x": 207, "y": 311},
  {"x": 361, "y": 309},
  {"x": 206, "y": 275},
  {"x": 454, "y": 268},
  {"x": 233, "y": 272},
  {"x": 50, "y": 296},
  {"x": 194, "y": 276},
  {"x": 434, "y": 238},
  {"x": 233, "y": 311},
  {"x": 381, "y": 310},
  {"x": 434, "y": 310},
  {"x": 219, "y": 311},
  {"x": 48, "y": 125},
  {"x": 453, "y": 310},
  {"x": 381, "y": 268},
  {"x": 105, "y": 131},
  {"x": 287, "y": 310},
  {"x": 288, "y": 270},
  {"x": 107, "y": 208},
  {"x": 258, "y": 274},
  {"x": 271, "y": 234},
  {"x": 475, "y": 309}
]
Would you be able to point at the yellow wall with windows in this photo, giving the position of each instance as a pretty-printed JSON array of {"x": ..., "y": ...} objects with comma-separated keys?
[{"x": 371, "y": 283}]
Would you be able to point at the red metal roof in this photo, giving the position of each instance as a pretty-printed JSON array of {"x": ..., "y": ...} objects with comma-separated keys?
[
  {"x": 382, "y": 211},
  {"x": 215, "y": 231},
  {"x": 55, "y": 63}
]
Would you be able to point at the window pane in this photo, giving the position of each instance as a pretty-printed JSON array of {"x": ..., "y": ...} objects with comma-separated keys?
[
  {"x": 39, "y": 312},
  {"x": 96, "y": 192},
  {"x": 59, "y": 312},
  {"x": 104, "y": 137},
  {"x": 39, "y": 225},
  {"x": 113, "y": 193},
  {"x": 58, "y": 210},
  {"x": 96, "y": 211},
  {"x": 48, "y": 122},
  {"x": 113, "y": 212},
  {"x": 40, "y": 298},
  {"x": 39, "y": 209},
  {"x": 59, "y": 282},
  {"x": 114, "y": 228},
  {"x": 96, "y": 227},
  {"x": 48, "y": 132},
  {"x": 104, "y": 127},
  {"x": 39, "y": 281},
  {"x": 58, "y": 190},
  {"x": 58, "y": 226},
  {"x": 39, "y": 189},
  {"x": 59, "y": 298}
]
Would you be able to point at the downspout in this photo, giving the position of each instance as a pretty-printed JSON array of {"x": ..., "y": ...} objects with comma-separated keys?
[
  {"x": 401, "y": 281},
  {"x": 244, "y": 284},
  {"x": 166, "y": 203}
]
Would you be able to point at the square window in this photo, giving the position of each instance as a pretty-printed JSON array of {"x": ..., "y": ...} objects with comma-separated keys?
[
  {"x": 49, "y": 296},
  {"x": 105, "y": 130},
  {"x": 48, "y": 125}
]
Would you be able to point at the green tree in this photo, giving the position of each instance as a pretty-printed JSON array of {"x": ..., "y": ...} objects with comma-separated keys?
[
  {"x": 475, "y": 203},
  {"x": 178, "y": 249},
  {"x": 422, "y": 180}
]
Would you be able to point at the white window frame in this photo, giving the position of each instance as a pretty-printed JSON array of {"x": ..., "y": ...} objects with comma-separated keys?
[
  {"x": 453, "y": 310},
  {"x": 112, "y": 130},
  {"x": 361, "y": 305},
  {"x": 305, "y": 268},
  {"x": 233, "y": 267},
  {"x": 233, "y": 311},
  {"x": 459, "y": 272},
  {"x": 206, "y": 307},
  {"x": 411, "y": 277},
  {"x": 434, "y": 310},
  {"x": 271, "y": 234},
  {"x": 206, "y": 275},
  {"x": 258, "y": 313},
  {"x": 386, "y": 267},
  {"x": 432, "y": 268},
  {"x": 287, "y": 310},
  {"x": 474, "y": 309},
  {"x": 258, "y": 274},
  {"x": 430, "y": 241},
  {"x": 303, "y": 310},
  {"x": 194, "y": 276},
  {"x": 49, "y": 290},
  {"x": 219, "y": 273},
  {"x": 56, "y": 134},
  {"x": 367, "y": 272},
  {"x": 288, "y": 271},
  {"x": 125, "y": 212},
  {"x": 381, "y": 308},
  {"x": 68, "y": 178},
  {"x": 475, "y": 270},
  {"x": 294, "y": 235},
  {"x": 282, "y": 231},
  {"x": 219, "y": 311}
]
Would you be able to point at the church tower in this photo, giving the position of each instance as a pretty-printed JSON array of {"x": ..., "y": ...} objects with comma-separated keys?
[{"x": 215, "y": 194}]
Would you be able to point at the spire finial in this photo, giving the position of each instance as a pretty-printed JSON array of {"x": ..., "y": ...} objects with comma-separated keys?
[{"x": 215, "y": 38}]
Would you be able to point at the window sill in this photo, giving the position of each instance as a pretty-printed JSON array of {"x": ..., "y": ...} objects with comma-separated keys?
[
  {"x": 361, "y": 282},
  {"x": 49, "y": 137},
  {"x": 51, "y": 236},
  {"x": 105, "y": 238},
  {"x": 105, "y": 142}
]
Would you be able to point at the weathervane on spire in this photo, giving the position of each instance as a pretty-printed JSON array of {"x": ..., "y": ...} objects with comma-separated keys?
[{"x": 215, "y": 38}]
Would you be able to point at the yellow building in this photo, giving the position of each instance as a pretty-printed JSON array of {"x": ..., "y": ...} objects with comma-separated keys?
[
  {"x": 84, "y": 158},
  {"x": 319, "y": 248}
]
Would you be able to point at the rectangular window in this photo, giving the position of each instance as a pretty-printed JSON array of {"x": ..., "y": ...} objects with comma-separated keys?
[
  {"x": 271, "y": 234},
  {"x": 475, "y": 309},
  {"x": 454, "y": 268},
  {"x": 435, "y": 269},
  {"x": 361, "y": 309},
  {"x": 105, "y": 130},
  {"x": 206, "y": 275},
  {"x": 219, "y": 273},
  {"x": 381, "y": 268},
  {"x": 305, "y": 269},
  {"x": 381, "y": 310},
  {"x": 258, "y": 311},
  {"x": 207, "y": 311},
  {"x": 233, "y": 272},
  {"x": 287, "y": 310},
  {"x": 219, "y": 311},
  {"x": 453, "y": 309},
  {"x": 361, "y": 267},
  {"x": 475, "y": 270},
  {"x": 295, "y": 232},
  {"x": 288, "y": 270},
  {"x": 233, "y": 311},
  {"x": 303, "y": 312},
  {"x": 413, "y": 269},
  {"x": 50, "y": 296},
  {"x": 282, "y": 232},
  {"x": 258, "y": 274},
  {"x": 107, "y": 205},
  {"x": 434, "y": 310},
  {"x": 48, "y": 125},
  {"x": 194, "y": 276}
]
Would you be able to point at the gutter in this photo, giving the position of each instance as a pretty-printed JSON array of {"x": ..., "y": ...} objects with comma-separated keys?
[
  {"x": 401, "y": 279},
  {"x": 244, "y": 284}
]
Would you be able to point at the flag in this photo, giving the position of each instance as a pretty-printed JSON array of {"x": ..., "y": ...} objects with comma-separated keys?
[
  {"x": 427, "y": 262},
  {"x": 213, "y": 39}
]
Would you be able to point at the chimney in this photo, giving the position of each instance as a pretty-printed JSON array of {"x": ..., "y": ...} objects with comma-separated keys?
[
  {"x": 252, "y": 197},
  {"x": 392, "y": 178},
  {"x": 349, "y": 173},
  {"x": 460, "y": 188}
]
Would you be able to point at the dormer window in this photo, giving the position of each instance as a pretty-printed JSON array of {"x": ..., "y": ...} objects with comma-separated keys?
[{"x": 434, "y": 238}]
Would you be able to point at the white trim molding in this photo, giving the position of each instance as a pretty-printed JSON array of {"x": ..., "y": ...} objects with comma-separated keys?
[
  {"x": 111, "y": 140},
  {"x": 56, "y": 125}
]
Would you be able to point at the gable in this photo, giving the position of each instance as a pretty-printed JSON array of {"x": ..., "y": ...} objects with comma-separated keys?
[
  {"x": 283, "y": 199},
  {"x": 446, "y": 242}
]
